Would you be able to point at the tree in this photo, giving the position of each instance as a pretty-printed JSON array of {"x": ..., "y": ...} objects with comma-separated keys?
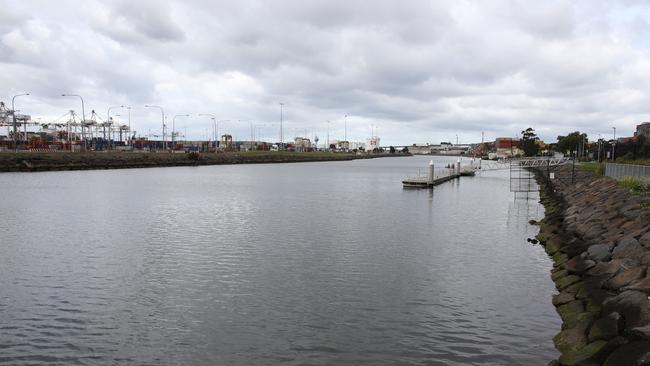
[
  {"x": 529, "y": 142},
  {"x": 392, "y": 150},
  {"x": 405, "y": 150},
  {"x": 571, "y": 143}
]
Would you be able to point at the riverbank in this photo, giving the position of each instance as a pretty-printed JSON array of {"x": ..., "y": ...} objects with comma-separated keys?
[
  {"x": 598, "y": 235},
  {"x": 38, "y": 162}
]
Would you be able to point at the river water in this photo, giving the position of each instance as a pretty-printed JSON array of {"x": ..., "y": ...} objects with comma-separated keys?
[{"x": 296, "y": 264}]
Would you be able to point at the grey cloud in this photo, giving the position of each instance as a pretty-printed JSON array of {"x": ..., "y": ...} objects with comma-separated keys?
[
  {"x": 136, "y": 21},
  {"x": 419, "y": 68}
]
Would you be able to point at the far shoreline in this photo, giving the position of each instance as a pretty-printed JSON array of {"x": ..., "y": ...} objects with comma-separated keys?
[{"x": 64, "y": 161}]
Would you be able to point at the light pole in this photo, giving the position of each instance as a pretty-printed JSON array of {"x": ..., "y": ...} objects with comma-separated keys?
[
  {"x": 614, "y": 144},
  {"x": 162, "y": 112},
  {"x": 281, "y": 130},
  {"x": 258, "y": 132},
  {"x": 113, "y": 131},
  {"x": 600, "y": 142},
  {"x": 328, "y": 135},
  {"x": 129, "y": 137},
  {"x": 214, "y": 124},
  {"x": 13, "y": 113},
  {"x": 345, "y": 133},
  {"x": 110, "y": 124},
  {"x": 217, "y": 127},
  {"x": 174, "y": 128},
  {"x": 83, "y": 117}
]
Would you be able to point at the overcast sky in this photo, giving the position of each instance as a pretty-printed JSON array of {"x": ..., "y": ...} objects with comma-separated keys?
[{"x": 420, "y": 71}]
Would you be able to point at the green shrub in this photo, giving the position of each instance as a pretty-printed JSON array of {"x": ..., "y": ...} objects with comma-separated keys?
[
  {"x": 634, "y": 184},
  {"x": 194, "y": 156}
]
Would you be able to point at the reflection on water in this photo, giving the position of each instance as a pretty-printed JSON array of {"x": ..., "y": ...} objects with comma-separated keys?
[{"x": 315, "y": 263}]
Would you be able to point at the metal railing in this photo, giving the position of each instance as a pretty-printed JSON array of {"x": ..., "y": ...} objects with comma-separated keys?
[{"x": 618, "y": 171}]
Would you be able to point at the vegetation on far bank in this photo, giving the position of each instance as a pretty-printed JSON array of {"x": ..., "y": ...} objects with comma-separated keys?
[{"x": 591, "y": 166}]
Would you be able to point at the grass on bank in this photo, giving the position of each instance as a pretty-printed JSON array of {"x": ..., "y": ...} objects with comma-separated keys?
[
  {"x": 595, "y": 167},
  {"x": 634, "y": 162},
  {"x": 634, "y": 184}
]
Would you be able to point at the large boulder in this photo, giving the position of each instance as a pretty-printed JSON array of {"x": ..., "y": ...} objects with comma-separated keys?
[
  {"x": 631, "y": 354},
  {"x": 644, "y": 240},
  {"x": 628, "y": 248},
  {"x": 642, "y": 285},
  {"x": 634, "y": 306},
  {"x": 570, "y": 309},
  {"x": 570, "y": 339},
  {"x": 641, "y": 333},
  {"x": 563, "y": 298},
  {"x": 606, "y": 327},
  {"x": 625, "y": 277},
  {"x": 612, "y": 267},
  {"x": 567, "y": 281},
  {"x": 586, "y": 355},
  {"x": 577, "y": 265},
  {"x": 600, "y": 252}
]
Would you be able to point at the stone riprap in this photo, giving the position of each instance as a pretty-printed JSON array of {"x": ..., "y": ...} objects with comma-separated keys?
[
  {"x": 38, "y": 162},
  {"x": 598, "y": 235}
]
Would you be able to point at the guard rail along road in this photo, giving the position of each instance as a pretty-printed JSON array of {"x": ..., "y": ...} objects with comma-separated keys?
[{"x": 618, "y": 171}]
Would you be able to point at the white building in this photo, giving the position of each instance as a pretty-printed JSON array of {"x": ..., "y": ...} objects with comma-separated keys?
[
  {"x": 302, "y": 144},
  {"x": 372, "y": 143}
]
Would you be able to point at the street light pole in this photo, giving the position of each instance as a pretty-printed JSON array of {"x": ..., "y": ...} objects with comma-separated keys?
[
  {"x": 600, "y": 142},
  {"x": 281, "y": 130},
  {"x": 328, "y": 135},
  {"x": 217, "y": 127},
  {"x": 162, "y": 111},
  {"x": 13, "y": 113},
  {"x": 174, "y": 128},
  {"x": 614, "y": 144},
  {"x": 214, "y": 125},
  {"x": 83, "y": 117},
  {"x": 129, "y": 137},
  {"x": 110, "y": 124}
]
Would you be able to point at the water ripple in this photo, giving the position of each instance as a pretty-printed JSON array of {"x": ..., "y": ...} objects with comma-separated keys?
[{"x": 297, "y": 264}]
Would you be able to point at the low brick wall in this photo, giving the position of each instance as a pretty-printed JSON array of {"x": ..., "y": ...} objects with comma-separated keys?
[{"x": 598, "y": 235}]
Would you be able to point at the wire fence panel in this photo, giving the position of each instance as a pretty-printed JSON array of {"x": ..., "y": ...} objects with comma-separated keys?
[{"x": 619, "y": 171}]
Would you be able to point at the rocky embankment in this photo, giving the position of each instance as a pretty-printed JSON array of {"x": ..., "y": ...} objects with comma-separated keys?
[
  {"x": 35, "y": 162},
  {"x": 598, "y": 235}
]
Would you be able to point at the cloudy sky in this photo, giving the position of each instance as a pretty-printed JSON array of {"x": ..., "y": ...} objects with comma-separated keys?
[{"x": 419, "y": 71}]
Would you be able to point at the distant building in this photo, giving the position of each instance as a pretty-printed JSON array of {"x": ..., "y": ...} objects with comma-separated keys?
[
  {"x": 643, "y": 130},
  {"x": 343, "y": 145},
  {"x": 226, "y": 142},
  {"x": 507, "y": 147},
  {"x": 372, "y": 143},
  {"x": 420, "y": 149},
  {"x": 302, "y": 144}
]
